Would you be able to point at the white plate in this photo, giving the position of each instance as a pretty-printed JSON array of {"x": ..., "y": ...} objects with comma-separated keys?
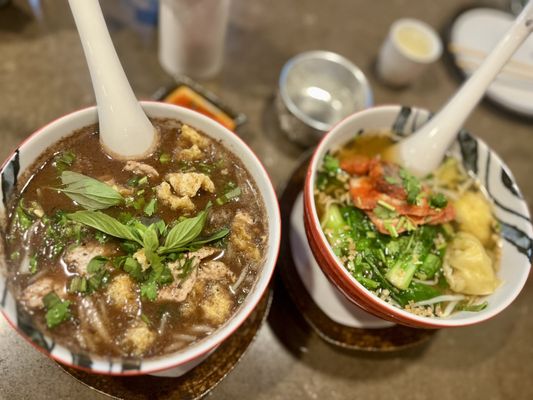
[
  {"x": 324, "y": 294},
  {"x": 479, "y": 30}
]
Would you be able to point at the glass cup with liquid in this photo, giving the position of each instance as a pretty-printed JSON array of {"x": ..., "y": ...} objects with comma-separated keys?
[{"x": 192, "y": 35}]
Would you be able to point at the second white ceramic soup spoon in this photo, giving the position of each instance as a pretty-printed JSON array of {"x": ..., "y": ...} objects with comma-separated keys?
[
  {"x": 423, "y": 151},
  {"x": 125, "y": 130}
]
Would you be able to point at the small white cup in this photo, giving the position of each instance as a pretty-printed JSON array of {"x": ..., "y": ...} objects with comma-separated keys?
[{"x": 409, "y": 47}]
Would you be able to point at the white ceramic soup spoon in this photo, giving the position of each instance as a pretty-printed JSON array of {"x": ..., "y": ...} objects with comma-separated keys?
[
  {"x": 423, "y": 151},
  {"x": 125, "y": 130}
]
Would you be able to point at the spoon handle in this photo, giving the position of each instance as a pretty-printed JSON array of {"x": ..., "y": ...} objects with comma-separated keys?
[
  {"x": 125, "y": 130},
  {"x": 423, "y": 152}
]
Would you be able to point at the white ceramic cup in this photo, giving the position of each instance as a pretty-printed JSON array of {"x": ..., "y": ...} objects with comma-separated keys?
[
  {"x": 173, "y": 364},
  {"x": 411, "y": 45}
]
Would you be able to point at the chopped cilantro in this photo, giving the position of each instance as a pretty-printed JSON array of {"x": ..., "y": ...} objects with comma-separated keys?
[
  {"x": 149, "y": 290},
  {"x": 411, "y": 185},
  {"x": 331, "y": 164},
  {"x": 101, "y": 237},
  {"x": 132, "y": 267},
  {"x": 64, "y": 160},
  {"x": 438, "y": 200},
  {"x": 151, "y": 207},
  {"x": 22, "y": 218}
]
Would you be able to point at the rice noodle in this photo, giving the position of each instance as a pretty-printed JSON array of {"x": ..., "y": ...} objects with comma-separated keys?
[
  {"x": 184, "y": 337},
  {"x": 428, "y": 282},
  {"x": 201, "y": 329},
  {"x": 449, "y": 308},
  {"x": 233, "y": 288},
  {"x": 92, "y": 320},
  {"x": 440, "y": 299}
]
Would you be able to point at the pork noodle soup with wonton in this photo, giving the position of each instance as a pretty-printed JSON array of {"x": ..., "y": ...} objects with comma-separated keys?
[
  {"x": 429, "y": 246},
  {"x": 137, "y": 258}
]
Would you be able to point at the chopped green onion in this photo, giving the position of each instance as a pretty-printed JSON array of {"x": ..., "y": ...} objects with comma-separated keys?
[
  {"x": 78, "y": 285},
  {"x": 143, "y": 181},
  {"x": 57, "y": 310},
  {"x": 165, "y": 158},
  {"x": 33, "y": 264},
  {"x": 228, "y": 196},
  {"x": 438, "y": 200}
]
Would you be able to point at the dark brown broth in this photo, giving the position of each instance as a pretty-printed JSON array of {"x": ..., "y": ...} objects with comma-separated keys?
[{"x": 176, "y": 324}]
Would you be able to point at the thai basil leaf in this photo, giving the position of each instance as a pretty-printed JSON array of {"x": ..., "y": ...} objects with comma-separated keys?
[
  {"x": 184, "y": 232},
  {"x": 104, "y": 223},
  {"x": 88, "y": 192}
]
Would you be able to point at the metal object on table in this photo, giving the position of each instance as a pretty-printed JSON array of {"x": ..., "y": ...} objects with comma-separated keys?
[{"x": 316, "y": 90}]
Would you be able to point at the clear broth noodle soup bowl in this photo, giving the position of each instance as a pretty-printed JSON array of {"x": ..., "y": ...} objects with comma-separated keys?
[
  {"x": 478, "y": 159},
  {"x": 173, "y": 364}
]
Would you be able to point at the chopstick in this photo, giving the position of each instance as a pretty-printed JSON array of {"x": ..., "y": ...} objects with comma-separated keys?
[{"x": 513, "y": 68}]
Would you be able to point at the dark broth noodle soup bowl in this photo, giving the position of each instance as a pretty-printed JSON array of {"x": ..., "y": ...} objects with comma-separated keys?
[
  {"x": 240, "y": 230},
  {"x": 368, "y": 250}
]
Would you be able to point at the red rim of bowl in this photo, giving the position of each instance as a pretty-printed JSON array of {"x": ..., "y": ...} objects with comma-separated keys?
[{"x": 242, "y": 318}]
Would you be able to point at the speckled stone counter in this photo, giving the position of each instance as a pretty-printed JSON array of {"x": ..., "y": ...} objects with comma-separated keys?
[{"x": 43, "y": 76}]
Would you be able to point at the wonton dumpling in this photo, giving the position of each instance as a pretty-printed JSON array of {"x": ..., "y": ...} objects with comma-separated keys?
[
  {"x": 468, "y": 268},
  {"x": 474, "y": 216}
]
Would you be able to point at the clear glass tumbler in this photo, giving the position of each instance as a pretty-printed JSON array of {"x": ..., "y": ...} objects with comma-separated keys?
[{"x": 192, "y": 35}]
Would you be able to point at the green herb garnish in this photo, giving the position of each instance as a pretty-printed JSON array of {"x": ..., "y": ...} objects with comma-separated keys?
[
  {"x": 151, "y": 207},
  {"x": 464, "y": 306},
  {"x": 331, "y": 164},
  {"x": 107, "y": 224},
  {"x": 228, "y": 196},
  {"x": 184, "y": 232},
  {"x": 411, "y": 184},
  {"x": 78, "y": 284},
  {"x": 64, "y": 160},
  {"x": 438, "y": 200},
  {"x": 88, "y": 192},
  {"x": 165, "y": 158},
  {"x": 33, "y": 264},
  {"x": 22, "y": 218},
  {"x": 385, "y": 211},
  {"x": 184, "y": 236},
  {"x": 57, "y": 310},
  {"x": 132, "y": 267},
  {"x": 149, "y": 290}
]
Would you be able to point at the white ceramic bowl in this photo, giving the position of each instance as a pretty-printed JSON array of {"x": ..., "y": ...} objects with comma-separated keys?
[
  {"x": 510, "y": 209},
  {"x": 179, "y": 362}
]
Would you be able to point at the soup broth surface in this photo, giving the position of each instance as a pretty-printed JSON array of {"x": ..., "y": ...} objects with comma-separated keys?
[{"x": 96, "y": 292}]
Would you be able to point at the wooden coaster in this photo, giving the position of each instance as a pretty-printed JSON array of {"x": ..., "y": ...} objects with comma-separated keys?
[
  {"x": 195, "y": 383},
  {"x": 397, "y": 337}
]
